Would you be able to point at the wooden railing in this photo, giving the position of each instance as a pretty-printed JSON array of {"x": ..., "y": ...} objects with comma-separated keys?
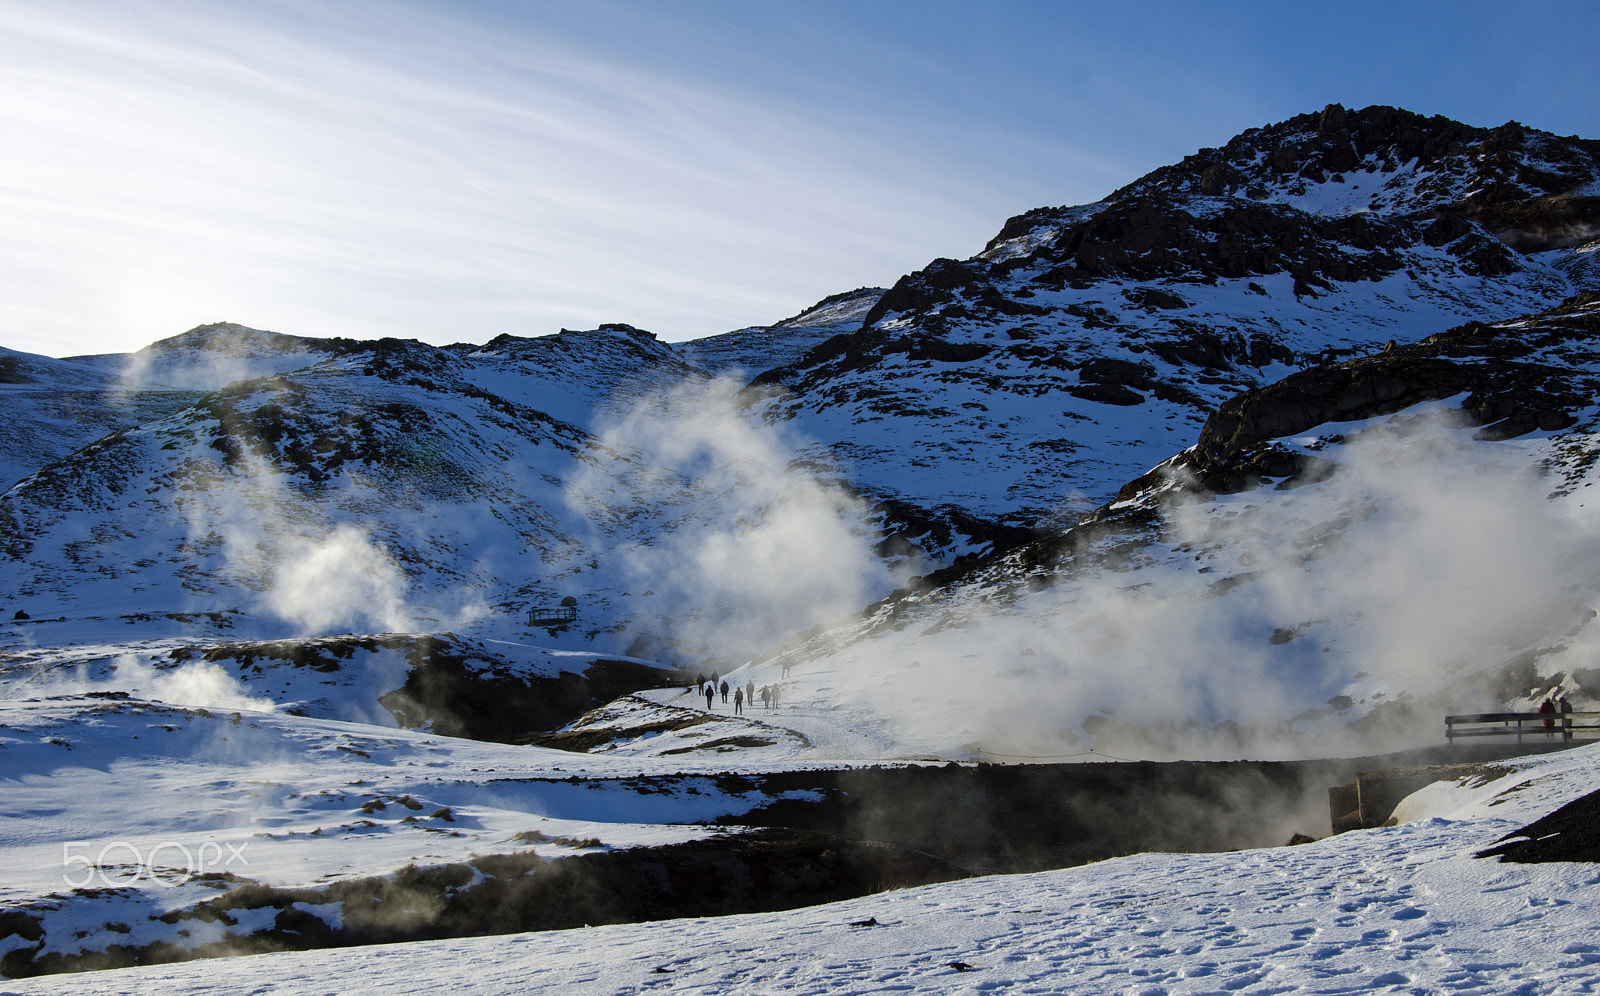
[{"x": 1524, "y": 726}]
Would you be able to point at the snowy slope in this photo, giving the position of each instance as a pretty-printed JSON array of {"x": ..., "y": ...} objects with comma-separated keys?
[
  {"x": 57, "y": 406},
  {"x": 399, "y": 487},
  {"x": 1395, "y": 567},
  {"x": 161, "y": 804},
  {"x": 349, "y": 486}
]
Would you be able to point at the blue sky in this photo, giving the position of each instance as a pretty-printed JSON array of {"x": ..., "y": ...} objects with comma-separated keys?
[{"x": 452, "y": 171}]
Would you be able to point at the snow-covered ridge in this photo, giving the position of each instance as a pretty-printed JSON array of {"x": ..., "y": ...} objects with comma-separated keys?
[{"x": 760, "y": 348}]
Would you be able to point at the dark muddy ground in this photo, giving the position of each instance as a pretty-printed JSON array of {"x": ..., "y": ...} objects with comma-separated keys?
[
  {"x": 1012, "y": 818},
  {"x": 824, "y": 836}
]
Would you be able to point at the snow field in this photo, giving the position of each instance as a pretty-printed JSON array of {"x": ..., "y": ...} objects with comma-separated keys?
[{"x": 1398, "y": 909}]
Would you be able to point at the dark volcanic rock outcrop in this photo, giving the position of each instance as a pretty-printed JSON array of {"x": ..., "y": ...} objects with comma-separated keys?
[
  {"x": 451, "y": 686},
  {"x": 1537, "y": 373},
  {"x": 1445, "y": 161},
  {"x": 445, "y": 693},
  {"x": 1571, "y": 833}
]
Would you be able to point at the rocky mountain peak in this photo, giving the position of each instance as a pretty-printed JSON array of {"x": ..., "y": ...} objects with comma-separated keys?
[
  {"x": 233, "y": 339},
  {"x": 1532, "y": 189},
  {"x": 1389, "y": 160}
]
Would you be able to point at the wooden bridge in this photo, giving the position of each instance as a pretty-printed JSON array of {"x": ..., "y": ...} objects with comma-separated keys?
[{"x": 1526, "y": 727}]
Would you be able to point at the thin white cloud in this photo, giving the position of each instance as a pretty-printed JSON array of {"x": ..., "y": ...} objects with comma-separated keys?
[{"x": 340, "y": 173}]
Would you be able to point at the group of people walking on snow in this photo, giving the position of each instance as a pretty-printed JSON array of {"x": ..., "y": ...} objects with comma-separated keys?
[{"x": 710, "y": 687}]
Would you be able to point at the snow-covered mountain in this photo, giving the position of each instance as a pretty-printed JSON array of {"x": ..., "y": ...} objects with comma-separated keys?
[
  {"x": 1283, "y": 451},
  {"x": 396, "y": 487},
  {"x": 707, "y": 500},
  {"x": 1085, "y": 344}
]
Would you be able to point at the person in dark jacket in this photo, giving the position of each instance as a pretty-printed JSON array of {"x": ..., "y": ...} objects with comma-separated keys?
[
  {"x": 724, "y": 692},
  {"x": 710, "y": 693},
  {"x": 1547, "y": 709}
]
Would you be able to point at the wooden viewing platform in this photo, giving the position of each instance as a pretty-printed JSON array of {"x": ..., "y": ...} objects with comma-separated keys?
[
  {"x": 1524, "y": 726},
  {"x": 556, "y": 615}
]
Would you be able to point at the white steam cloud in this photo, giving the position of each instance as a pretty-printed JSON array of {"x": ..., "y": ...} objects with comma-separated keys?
[
  {"x": 201, "y": 685},
  {"x": 259, "y": 539},
  {"x": 340, "y": 580},
  {"x": 1264, "y": 625},
  {"x": 747, "y": 544}
]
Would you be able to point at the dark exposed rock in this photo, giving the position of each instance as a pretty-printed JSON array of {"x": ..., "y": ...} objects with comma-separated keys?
[
  {"x": 12, "y": 372},
  {"x": 928, "y": 348},
  {"x": 1571, "y": 833},
  {"x": 1553, "y": 222},
  {"x": 1518, "y": 377},
  {"x": 1511, "y": 162},
  {"x": 1151, "y": 239},
  {"x": 907, "y": 527},
  {"x": 933, "y": 285},
  {"x": 458, "y": 686},
  {"x": 1197, "y": 346},
  {"x": 443, "y": 693},
  {"x": 1115, "y": 372},
  {"x": 1152, "y": 298},
  {"x": 1107, "y": 394}
]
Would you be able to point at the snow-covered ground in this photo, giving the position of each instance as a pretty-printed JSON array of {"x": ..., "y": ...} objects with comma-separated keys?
[
  {"x": 1398, "y": 909},
  {"x": 118, "y": 808}
]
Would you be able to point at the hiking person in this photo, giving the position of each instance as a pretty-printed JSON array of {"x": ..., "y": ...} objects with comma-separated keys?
[
  {"x": 709, "y": 694},
  {"x": 1566, "y": 718},
  {"x": 724, "y": 692},
  {"x": 1547, "y": 709},
  {"x": 738, "y": 701},
  {"x": 750, "y": 692},
  {"x": 766, "y": 696}
]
